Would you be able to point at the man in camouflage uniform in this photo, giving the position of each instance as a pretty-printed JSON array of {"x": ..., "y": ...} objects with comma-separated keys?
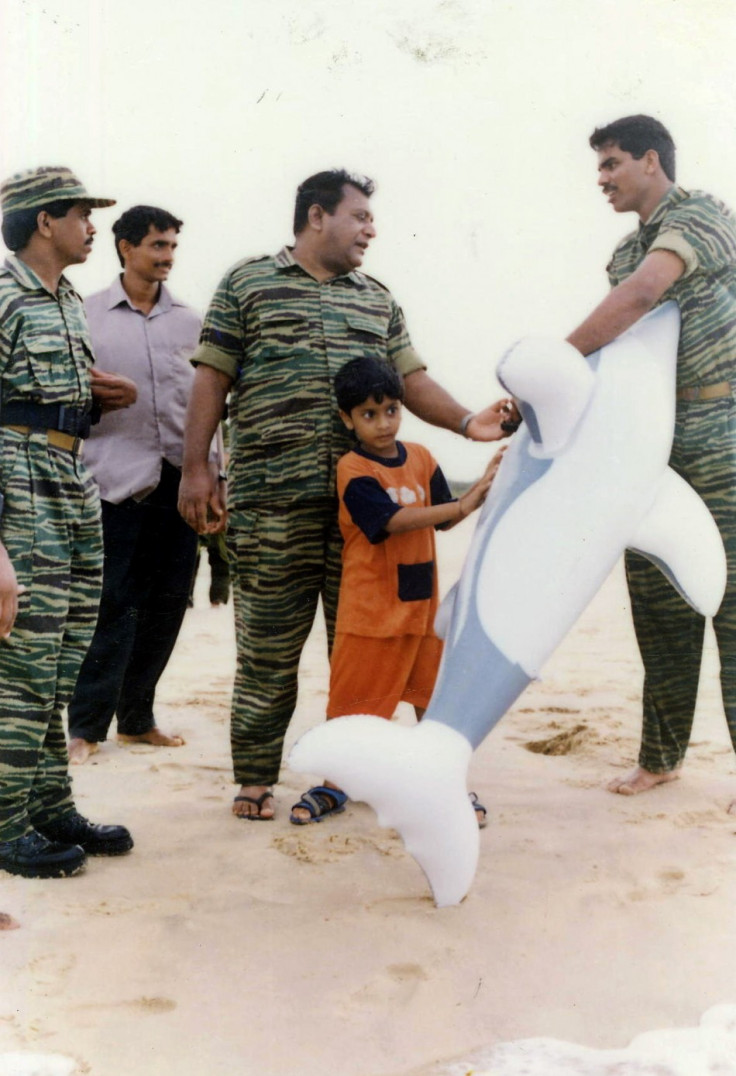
[
  {"x": 51, "y": 549},
  {"x": 277, "y": 331},
  {"x": 684, "y": 249}
]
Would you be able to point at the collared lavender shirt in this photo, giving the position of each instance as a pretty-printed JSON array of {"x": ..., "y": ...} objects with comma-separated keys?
[{"x": 125, "y": 449}]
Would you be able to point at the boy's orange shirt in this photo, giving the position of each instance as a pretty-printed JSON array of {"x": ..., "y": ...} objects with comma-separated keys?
[{"x": 389, "y": 581}]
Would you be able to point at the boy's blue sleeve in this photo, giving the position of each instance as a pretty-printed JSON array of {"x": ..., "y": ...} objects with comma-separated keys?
[
  {"x": 370, "y": 507},
  {"x": 439, "y": 491}
]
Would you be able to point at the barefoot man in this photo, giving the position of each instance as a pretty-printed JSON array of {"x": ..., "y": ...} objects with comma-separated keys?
[
  {"x": 140, "y": 329},
  {"x": 684, "y": 248}
]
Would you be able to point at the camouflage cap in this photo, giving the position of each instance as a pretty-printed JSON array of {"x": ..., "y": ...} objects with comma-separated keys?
[{"x": 39, "y": 186}]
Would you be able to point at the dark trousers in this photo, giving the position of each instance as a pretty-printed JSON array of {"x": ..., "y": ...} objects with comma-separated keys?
[{"x": 149, "y": 561}]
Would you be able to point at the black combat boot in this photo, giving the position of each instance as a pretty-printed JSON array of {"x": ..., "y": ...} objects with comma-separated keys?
[
  {"x": 95, "y": 840},
  {"x": 35, "y": 856}
]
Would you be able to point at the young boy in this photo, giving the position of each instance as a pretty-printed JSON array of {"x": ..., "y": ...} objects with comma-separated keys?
[{"x": 392, "y": 496}]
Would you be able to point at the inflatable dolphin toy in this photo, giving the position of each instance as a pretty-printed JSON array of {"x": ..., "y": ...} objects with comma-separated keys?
[{"x": 584, "y": 479}]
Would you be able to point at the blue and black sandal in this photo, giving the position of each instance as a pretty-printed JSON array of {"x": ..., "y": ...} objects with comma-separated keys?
[
  {"x": 480, "y": 812},
  {"x": 320, "y": 802}
]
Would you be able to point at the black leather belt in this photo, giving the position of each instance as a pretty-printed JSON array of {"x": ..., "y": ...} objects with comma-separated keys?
[{"x": 65, "y": 418}]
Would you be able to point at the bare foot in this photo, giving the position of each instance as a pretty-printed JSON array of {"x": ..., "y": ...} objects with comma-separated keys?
[
  {"x": 155, "y": 737},
  {"x": 7, "y": 922},
  {"x": 254, "y": 802},
  {"x": 640, "y": 780},
  {"x": 80, "y": 750}
]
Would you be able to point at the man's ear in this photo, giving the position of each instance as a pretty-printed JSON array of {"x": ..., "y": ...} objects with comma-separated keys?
[
  {"x": 346, "y": 419},
  {"x": 652, "y": 160},
  {"x": 43, "y": 223},
  {"x": 315, "y": 216}
]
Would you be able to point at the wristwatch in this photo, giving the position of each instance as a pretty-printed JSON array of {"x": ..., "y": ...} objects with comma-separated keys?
[{"x": 464, "y": 422}]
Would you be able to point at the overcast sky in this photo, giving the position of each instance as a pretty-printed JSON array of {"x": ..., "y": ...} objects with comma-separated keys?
[{"x": 471, "y": 115}]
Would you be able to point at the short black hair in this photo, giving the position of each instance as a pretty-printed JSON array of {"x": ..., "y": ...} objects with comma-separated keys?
[
  {"x": 637, "y": 134},
  {"x": 362, "y": 378},
  {"x": 136, "y": 221},
  {"x": 18, "y": 227},
  {"x": 325, "y": 189}
]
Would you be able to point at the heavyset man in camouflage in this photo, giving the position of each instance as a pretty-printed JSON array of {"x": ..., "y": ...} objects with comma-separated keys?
[
  {"x": 51, "y": 551},
  {"x": 277, "y": 331},
  {"x": 684, "y": 249}
]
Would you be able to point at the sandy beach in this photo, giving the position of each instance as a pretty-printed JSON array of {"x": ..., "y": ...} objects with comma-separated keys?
[{"x": 223, "y": 946}]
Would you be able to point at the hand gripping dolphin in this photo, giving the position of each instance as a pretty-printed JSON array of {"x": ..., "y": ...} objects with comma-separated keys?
[{"x": 585, "y": 478}]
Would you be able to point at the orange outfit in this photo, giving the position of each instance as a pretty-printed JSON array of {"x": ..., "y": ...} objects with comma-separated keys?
[{"x": 385, "y": 648}]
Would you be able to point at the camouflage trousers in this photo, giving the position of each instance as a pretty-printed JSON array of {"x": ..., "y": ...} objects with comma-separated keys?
[
  {"x": 282, "y": 561},
  {"x": 50, "y": 527},
  {"x": 669, "y": 632}
]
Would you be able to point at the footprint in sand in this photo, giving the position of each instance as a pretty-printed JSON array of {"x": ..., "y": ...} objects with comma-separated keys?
[
  {"x": 7, "y": 922},
  {"x": 564, "y": 743},
  {"x": 50, "y": 972},
  {"x": 174, "y": 904},
  {"x": 319, "y": 847},
  {"x": 699, "y": 819},
  {"x": 397, "y": 984},
  {"x": 151, "y": 1006},
  {"x": 546, "y": 710},
  {"x": 145, "y": 1006},
  {"x": 673, "y": 881}
]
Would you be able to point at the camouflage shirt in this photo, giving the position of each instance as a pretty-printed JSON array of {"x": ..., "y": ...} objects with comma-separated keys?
[
  {"x": 701, "y": 230},
  {"x": 45, "y": 349},
  {"x": 282, "y": 336}
]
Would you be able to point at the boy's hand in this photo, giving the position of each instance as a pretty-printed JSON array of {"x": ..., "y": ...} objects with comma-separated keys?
[
  {"x": 492, "y": 468},
  {"x": 477, "y": 493}
]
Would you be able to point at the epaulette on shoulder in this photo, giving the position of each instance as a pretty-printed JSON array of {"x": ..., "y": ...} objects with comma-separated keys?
[
  {"x": 250, "y": 261},
  {"x": 372, "y": 280},
  {"x": 704, "y": 197}
]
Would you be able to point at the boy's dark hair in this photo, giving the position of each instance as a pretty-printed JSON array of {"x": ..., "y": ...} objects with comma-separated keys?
[
  {"x": 637, "y": 134},
  {"x": 362, "y": 378},
  {"x": 325, "y": 189},
  {"x": 135, "y": 223},
  {"x": 18, "y": 227}
]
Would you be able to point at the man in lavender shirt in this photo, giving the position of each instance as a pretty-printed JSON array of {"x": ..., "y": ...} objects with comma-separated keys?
[{"x": 138, "y": 328}]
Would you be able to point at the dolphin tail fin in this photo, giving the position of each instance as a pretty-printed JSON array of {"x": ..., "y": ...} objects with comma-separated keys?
[
  {"x": 415, "y": 780},
  {"x": 680, "y": 536}
]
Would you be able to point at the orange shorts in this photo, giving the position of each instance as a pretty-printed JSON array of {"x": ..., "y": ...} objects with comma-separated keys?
[{"x": 373, "y": 675}]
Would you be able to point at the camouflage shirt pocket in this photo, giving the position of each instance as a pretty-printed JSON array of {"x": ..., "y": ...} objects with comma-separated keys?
[
  {"x": 282, "y": 335},
  {"x": 52, "y": 375},
  {"x": 367, "y": 334}
]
